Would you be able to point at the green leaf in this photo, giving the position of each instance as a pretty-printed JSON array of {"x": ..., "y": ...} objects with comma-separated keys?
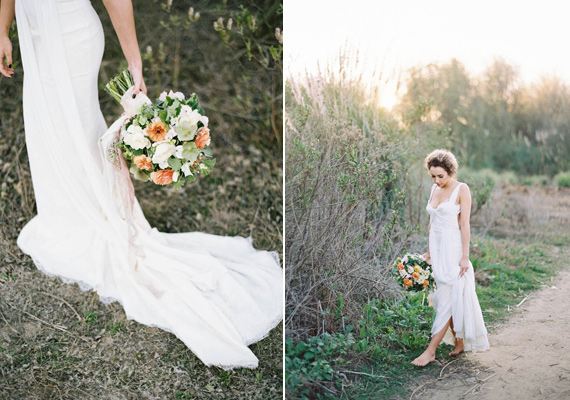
[
  {"x": 175, "y": 163},
  {"x": 186, "y": 131},
  {"x": 207, "y": 151},
  {"x": 179, "y": 183},
  {"x": 139, "y": 174},
  {"x": 190, "y": 178},
  {"x": 174, "y": 109},
  {"x": 163, "y": 115},
  {"x": 190, "y": 152}
]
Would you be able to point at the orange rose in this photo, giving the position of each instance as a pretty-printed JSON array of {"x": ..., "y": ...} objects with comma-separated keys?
[
  {"x": 400, "y": 266},
  {"x": 162, "y": 177},
  {"x": 407, "y": 282},
  {"x": 143, "y": 162},
  {"x": 156, "y": 131},
  {"x": 203, "y": 138},
  {"x": 416, "y": 276},
  {"x": 426, "y": 283}
]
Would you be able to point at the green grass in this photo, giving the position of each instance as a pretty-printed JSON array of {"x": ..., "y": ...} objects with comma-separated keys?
[{"x": 390, "y": 334}]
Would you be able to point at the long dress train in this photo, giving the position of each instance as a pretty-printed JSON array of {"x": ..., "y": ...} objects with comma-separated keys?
[
  {"x": 217, "y": 294},
  {"x": 455, "y": 296}
]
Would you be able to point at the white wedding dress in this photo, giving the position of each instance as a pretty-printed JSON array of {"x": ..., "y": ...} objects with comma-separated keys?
[
  {"x": 217, "y": 294},
  {"x": 455, "y": 296}
]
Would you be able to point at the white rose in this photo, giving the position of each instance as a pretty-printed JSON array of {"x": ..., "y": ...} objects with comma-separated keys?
[
  {"x": 172, "y": 95},
  {"x": 163, "y": 152},
  {"x": 178, "y": 151},
  {"x": 191, "y": 116},
  {"x": 186, "y": 169},
  {"x": 136, "y": 138},
  {"x": 176, "y": 95},
  {"x": 135, "y": 129},
  {"x": 402, "y": 273},
  {"x": 170, "y": 134}
]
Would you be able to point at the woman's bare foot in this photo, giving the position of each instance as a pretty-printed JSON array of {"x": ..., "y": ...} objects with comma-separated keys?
[
  {"x": 458, "y": 348},
  {"x": 424, "y": 359}
]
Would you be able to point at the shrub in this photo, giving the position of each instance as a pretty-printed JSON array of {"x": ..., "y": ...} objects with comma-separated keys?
[
  {"x": 481, "y": 183},
  {"x": 562, "y": 179}
]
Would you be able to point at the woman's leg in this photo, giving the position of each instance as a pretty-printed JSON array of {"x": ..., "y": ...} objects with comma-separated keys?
[
  {"x": 429, "y": 355},
  {"x": 458, "y": 342}
]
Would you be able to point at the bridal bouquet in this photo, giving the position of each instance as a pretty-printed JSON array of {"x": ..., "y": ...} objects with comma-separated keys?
[
  {"x": 414, "y": 273},
  {"x": 165, "y": 141}
]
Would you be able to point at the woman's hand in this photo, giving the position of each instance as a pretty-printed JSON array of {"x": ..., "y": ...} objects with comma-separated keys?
[
  {"x": 137, "y": 75},
  {"x": 463, "y": 265},
  {"x": 427, "y": 258},
  {"x": 6, "y": 57},
  {"x": 123, "y": 19}
]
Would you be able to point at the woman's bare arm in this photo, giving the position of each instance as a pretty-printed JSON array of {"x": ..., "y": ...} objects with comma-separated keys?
[
  {"x": 6, "y": 19},
  {"x": 122, "y": 17},
  {"x": 465, "y": 226}
]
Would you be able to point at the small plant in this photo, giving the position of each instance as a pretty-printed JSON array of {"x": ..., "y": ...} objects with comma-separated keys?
[
  {"x": 116, "y": 327},
  {"x": 90, "y": 316},
  {"x": 562, "y": 179},
  {"x": 311, "y": 363}
]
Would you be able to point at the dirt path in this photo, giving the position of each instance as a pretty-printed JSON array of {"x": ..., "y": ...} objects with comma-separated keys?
[{"x": 529, "y": 356}]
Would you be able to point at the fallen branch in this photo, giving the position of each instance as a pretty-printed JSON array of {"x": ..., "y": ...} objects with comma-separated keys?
[
  {"x": 11, "y": 327},
  {"x": 523, "y": 300},
  {"x": 429, "y": 382},
  {"x": 445, "y": 366},
  {"x": 58, "y": 327},
  {"x": 364, "y": 373},
  {"x": 479, "y": 384},
  {"x": 64, "y": 302}
]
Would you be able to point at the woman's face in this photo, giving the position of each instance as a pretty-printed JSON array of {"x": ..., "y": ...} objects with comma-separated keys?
[{"x": 439, "y": 176}]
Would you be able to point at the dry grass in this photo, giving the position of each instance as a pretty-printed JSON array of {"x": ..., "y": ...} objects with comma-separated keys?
[
  {"x": 344, "y": 206},
  {"x": 59, "y": 342}
]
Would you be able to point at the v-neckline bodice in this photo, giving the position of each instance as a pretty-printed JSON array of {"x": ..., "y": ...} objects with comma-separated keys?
[{"x": 444, "y": 201}]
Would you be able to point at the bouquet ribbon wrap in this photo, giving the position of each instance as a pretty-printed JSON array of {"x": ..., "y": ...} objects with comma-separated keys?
[{"x": 118, "y": 177}]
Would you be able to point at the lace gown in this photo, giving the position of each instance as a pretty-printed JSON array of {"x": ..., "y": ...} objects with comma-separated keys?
[
  {"x": 455, "y": 296},
  {"x": 217, "y": 294}
]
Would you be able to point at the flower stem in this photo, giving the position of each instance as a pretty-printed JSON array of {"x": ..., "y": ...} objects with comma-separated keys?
[{"x": 118, "y": 86}]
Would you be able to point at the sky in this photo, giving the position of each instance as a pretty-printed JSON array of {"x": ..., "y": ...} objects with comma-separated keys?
[{"x": 392, "y": 36}]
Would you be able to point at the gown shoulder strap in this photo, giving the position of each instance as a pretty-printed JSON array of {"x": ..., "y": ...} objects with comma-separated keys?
[{"x": 455, "y": 193}]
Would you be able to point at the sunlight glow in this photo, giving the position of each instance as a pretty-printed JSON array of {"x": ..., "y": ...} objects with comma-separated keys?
[{"x": 392, "y": 36}]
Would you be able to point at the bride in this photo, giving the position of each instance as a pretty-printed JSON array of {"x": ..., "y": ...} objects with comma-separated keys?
[
  {"x": 217, "y": 294},
  {"x": 458, "y": 318}
]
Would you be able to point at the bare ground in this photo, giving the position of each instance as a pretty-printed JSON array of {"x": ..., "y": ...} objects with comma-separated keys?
[{"x": 528, "y": 358}]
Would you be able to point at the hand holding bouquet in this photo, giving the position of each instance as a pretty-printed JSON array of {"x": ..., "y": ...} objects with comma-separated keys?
[
  {"x": 414, "y": 273},
  {"x": 166, "y": 141}
]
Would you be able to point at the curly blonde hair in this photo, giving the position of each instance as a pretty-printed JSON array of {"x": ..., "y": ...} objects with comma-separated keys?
[{"x": 444, "y": 159}]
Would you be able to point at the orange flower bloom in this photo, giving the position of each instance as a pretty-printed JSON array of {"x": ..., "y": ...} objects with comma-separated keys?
[
  {"x": 400, "y": 266},
  {"x": 156, "y": 131},
  {"x": 416, "y": 276},
  {"x": 143, "y": 162},
  {"x": 426, "y": 283},
  {"x": 407, "y": 282},
  {"x": 203, "y": 138},
  {"x": 162, "y": 176}
]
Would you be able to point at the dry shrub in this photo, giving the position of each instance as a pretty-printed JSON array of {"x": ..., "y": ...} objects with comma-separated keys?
[{"x": 344, "y": 204}]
